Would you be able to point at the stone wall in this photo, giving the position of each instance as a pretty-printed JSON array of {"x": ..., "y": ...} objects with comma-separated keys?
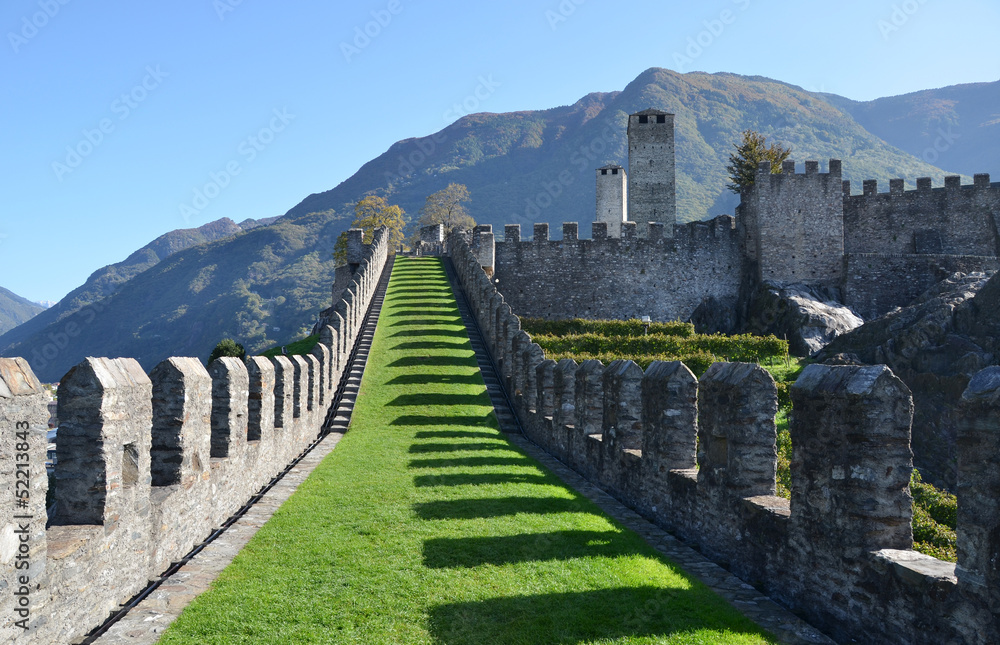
[
  {"x": 697, "y": 456},
  {"x": 148, "y": 465},
  {"x": 627, "y": 277},
  {"x": 794, "y": 224},
  {"x": 902, "y": 242},
  {"x": 876, "y": 283}
]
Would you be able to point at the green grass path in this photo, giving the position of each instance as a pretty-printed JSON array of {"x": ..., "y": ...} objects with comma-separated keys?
[{"x": 426, "y": 526}]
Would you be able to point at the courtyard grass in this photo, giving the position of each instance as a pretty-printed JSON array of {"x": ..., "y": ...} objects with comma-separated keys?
[{"x": 426, "y": 526}]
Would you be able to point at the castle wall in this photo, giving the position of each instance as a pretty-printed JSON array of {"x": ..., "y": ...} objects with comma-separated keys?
[
  {"x": 794, "y": 224},
  {"x": 900, "y": 243},
  {"x": 147, "y": 466},
  {"x": 876, "y": 283},
  {"x": 839, "y": 552},
  {"x": 622, "y": 278},
  {"x": 954, "y": 220}
]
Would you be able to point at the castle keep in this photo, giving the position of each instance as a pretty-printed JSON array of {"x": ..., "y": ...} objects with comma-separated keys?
[{"x": 872, "y": 252}]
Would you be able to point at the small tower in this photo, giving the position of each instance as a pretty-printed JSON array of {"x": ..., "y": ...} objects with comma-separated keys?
[
  {"x": 651, "y": 184},
  {"x": 612, "y": 198}
]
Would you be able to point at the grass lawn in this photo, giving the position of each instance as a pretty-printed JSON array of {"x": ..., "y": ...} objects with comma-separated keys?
[{"x": 426, "y": 526}]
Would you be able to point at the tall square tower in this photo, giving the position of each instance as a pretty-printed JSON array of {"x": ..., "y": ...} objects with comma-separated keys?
[{"x": 651, "y": 183}]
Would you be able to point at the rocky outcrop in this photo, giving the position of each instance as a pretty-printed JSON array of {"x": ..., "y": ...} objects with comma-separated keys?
[
  {"x": 935, "y": 345},
  {"x": 808, "y": 317}
]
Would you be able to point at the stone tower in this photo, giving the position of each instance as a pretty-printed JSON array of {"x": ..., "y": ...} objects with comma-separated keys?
[
  {"x": 793, "y": 224},
  {"x": 651, "y": 184},
  {"x": 612, "y": 198}
]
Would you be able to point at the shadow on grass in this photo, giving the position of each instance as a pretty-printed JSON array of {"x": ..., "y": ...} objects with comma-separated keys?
[
  {"x": 414, "y": 300},
  {"x": 410, "y": 333},
  {"x": 430, "y": 379},
  {"x": 440, "y": 553},
  {"x": 464, "y": 462},
  {"x": 402, "y": 309},
  {"x": 435, "y": 361},
  {"x": 418, "y": 290},
  {"x": 577, "y": 617},
  {"x": 423, "y": 400},
  {"x": 432, "y": 344},
  {"x": 478, "y": 479},
  {"x": 445, "y": 420},
  {"x": 469, "y": 509},
  {"x": 426, "y": 448},
  {"x": 436, "y": 315},
  {"x": 424, "y": 321},
  {"x": 456, "y": 434}
]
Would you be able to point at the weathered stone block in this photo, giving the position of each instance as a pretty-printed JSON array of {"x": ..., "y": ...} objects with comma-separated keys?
[{"x": 230, "y": 405}]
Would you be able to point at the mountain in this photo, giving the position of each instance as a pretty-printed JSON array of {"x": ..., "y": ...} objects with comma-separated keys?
[
  {"x": 255, "y": 286},
  {"x": 956, "y": 127},
  {"x": 15, "y": 310},
  {"x": 265, "y": 285},
  {"x": 106, "y": 281},
  {"x": 526, "y": 167}
]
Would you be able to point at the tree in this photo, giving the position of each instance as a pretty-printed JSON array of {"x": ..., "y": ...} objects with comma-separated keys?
[
  {"x": 227, "y": 347},
  {"x": 752, "y": 150},
  {"x": 370, "y": 214},
  {"x": 445, "y": 207}
]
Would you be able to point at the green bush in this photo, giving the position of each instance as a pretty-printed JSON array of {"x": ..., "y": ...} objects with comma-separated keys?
[
  {"x": 227, "y": 347},
  {"x": 940, "y": 505}
]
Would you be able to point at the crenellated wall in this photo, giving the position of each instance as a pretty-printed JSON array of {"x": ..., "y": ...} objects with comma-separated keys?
[
  {"x": 148, "y": 465},
  {"x": 698, "y": 457},
  {"x": 627, "y": 277},
  {"x": 900, "y": 243}
]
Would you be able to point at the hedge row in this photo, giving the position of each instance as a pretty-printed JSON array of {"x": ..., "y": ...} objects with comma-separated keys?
[
  {"x": 577, "y": 326},
  {"x": 744, "y": 348}
]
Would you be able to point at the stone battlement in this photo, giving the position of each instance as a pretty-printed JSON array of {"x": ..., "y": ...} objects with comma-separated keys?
[
  {"x": 618, "y": 277},
  {"x": 698, "y": 457},
  {"x": 148, "y": 465}
]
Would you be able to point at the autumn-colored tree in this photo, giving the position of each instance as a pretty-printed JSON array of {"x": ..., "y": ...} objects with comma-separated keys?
[
  {"x": 752, "y": 150},
  {"x": 370, "y": 214},
  {"x": 446, "y": 207}
]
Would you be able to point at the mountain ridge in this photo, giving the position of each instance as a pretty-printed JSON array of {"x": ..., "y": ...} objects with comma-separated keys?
[
  {"x": 16, "y": 310},
  {"x": 264, "y": 286}
]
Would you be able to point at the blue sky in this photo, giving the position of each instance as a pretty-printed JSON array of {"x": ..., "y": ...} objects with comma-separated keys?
[{"x": 117, "y": 112}]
